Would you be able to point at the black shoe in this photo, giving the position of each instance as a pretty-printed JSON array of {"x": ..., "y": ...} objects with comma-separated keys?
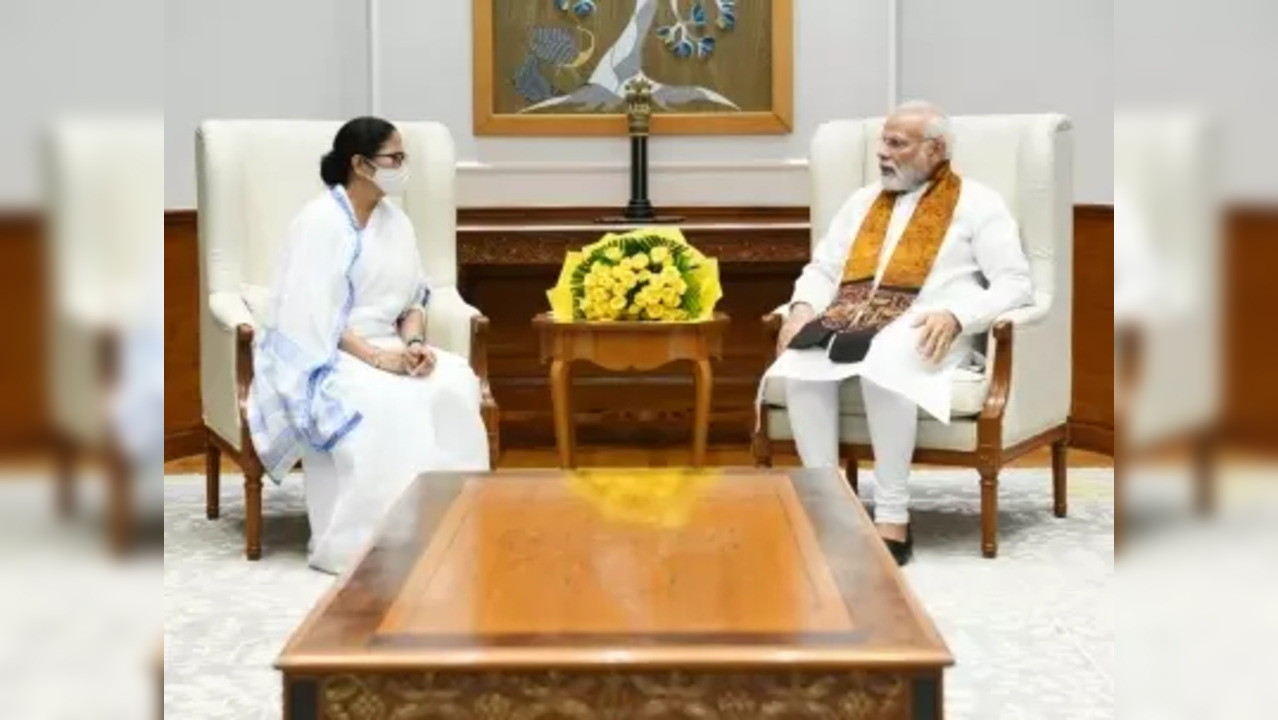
[{"x": 902, "y": 552}]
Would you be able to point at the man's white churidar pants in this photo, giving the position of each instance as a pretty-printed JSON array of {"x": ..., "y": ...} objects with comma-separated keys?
[{"x": 813, "y": 407}]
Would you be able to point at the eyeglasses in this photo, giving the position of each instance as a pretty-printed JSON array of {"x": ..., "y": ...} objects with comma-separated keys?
[{"x": 397, "y": 158}]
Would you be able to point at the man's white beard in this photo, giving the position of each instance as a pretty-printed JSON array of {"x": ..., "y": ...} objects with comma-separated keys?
[{"x": 904, "y": 179}]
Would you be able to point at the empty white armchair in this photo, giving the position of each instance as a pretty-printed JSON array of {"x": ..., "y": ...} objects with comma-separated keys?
[
  {"x": 1167, "y": 265},
  {"x": 253, "y": 177},
  {"x": 105, "y": 209},
  {"x": 1020, "y": 400}
]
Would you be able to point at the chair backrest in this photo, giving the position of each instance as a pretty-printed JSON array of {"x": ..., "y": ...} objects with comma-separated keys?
[
  {"x": 255, "y": 175},
  {"x": 104, "y": 180},
  {"x": 1028, "y": 159},
  {"x": 1165, "y": 178}
]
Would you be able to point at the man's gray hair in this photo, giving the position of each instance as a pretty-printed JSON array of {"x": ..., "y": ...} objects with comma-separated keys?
[{"x": 938, "y": 123}]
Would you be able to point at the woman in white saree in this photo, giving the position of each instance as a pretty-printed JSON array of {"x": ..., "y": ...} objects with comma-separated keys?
[{"x": 343, "y": 378}]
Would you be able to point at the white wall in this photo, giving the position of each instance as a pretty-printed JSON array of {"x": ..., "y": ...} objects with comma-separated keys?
[
  {"x": 257, "y": 59},
  {"x": 1218, "y": 58},
  {"x": 71, "y": 57},
  {"x": 1016, "y": 56},
  {"x": 307, "y": 58}
]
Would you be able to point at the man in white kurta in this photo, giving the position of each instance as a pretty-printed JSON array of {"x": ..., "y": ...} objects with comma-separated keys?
[{"x": 979, "y": 272}]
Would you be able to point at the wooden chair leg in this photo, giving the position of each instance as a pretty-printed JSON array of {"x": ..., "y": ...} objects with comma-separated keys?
[
  {"x": 65, "y": 478},
  {"x": 212, "y": 480},
  {"x": 253, "y": 514},
  {"x": 989, "y": 512},
  {"x": 119, "y": 503},
  {"x": 761, "y": 444},
  {"x": 492, "y": 423},
  {"x": 1060, "y": 502},
  {"x": 853, "y": 470},
  {"x": 1205, "y": 476}
]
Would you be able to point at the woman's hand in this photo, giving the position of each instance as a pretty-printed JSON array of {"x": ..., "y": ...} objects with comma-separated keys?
[
  {"x": 395, "y": 362},
  {"x": 420, "y": 360}
]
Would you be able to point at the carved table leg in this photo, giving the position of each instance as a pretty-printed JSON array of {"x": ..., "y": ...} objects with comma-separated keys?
[
  {"x": 701, "y": 420},
  {"x": 561, "y": 398}
]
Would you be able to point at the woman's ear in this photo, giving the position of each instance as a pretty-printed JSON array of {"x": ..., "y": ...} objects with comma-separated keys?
[{"x": 357, "y": 164}]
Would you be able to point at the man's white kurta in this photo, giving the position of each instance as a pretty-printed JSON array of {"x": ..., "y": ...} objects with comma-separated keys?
[{"x": 980, "y": 272}]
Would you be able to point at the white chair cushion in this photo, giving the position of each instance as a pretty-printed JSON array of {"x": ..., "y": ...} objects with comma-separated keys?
[{"x": 970, "y": 389}]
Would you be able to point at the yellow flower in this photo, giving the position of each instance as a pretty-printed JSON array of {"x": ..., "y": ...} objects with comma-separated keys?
[
  {"x": 670, "y": 271},
  {"x": 639, "y": 260},
  {"x": 645, "y": 275},
  {"x": 681, "y": 286},
  {"x": 613, "y": 253},
  {"x": 671, "y": 300},
  {"x": 659, "y": 254},
  {"x": 656, "y": 312},
  {"x": 618, "y": 302}
]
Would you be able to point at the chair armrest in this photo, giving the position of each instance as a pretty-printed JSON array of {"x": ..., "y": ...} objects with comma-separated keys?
[
  {"x": 243, "y": 367},
  {"x": 449, "y": 321},
  {"x": 1029, "y": 314},
  {"x": 229, "y": 310},
  {"x": 1000, "y": 369},
  {"x": 487, "y": 403},
  {"x": 772, "y": 323},
  {"x": 1000, "y": 351}
]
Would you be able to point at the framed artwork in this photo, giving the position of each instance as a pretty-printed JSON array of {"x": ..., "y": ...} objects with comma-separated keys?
[{"x": 561, "y": 67}]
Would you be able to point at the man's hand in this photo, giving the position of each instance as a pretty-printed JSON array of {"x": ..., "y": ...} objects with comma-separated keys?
[
  {"x": 800, "y": 314},
  {"x": 940, "y": 327},
  {"x": 419, "y": 360}
]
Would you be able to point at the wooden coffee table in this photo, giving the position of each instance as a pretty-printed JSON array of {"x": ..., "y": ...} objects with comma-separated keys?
[{"x": 662, "y": 593}]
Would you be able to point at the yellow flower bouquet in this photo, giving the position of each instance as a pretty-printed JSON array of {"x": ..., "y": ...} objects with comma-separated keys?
[
  {"x": 662, "y": 499},
  {"x": 650, "y": 274}
]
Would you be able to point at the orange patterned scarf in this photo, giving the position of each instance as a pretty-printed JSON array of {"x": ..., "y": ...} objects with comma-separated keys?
[{"x": 860, "y": 309}]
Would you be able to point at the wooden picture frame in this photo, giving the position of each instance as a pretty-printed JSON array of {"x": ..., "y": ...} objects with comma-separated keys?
[{"x": 776, "y": 120}]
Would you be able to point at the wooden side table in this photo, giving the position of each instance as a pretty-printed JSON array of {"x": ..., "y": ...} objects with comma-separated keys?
[{"x": 628, "y": 346}]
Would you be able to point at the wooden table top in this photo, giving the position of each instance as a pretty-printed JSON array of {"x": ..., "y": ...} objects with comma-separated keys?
[{"x": 619, "y": 568}]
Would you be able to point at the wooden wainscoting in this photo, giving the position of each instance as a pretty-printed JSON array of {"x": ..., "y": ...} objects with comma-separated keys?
[
  {"x": 1250, "y": 297},
  {"x": 23, "y": 367},
  {"x": 510, "y": 257},
  {"x": 1092, "y": 414},
  {"x": 183, "y": 420}
]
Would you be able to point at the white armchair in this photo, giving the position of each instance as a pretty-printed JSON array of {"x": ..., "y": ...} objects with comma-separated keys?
[
  {"x": 105, "y": 210},
  {"x": 253, "y": 177},
  {"x": 1011, "y": 407},
  {"x": 1167, "y": 260}
]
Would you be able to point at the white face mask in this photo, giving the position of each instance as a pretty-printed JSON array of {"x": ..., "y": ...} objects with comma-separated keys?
[{"x": 392, "y": 181}]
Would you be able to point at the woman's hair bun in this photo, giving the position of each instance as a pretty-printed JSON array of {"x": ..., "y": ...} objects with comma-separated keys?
[{"x": 331, "y": 170}]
